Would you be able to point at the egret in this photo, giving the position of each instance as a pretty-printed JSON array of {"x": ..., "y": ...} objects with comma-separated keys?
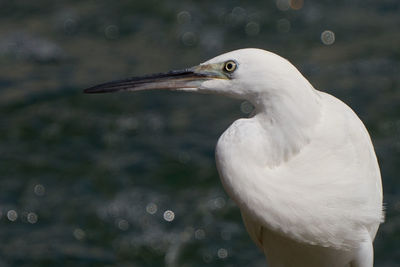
[{"x": 302, "y": 168}]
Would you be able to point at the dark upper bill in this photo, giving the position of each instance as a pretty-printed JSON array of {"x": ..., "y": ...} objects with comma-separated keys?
[{"x": 187, "y": 78}]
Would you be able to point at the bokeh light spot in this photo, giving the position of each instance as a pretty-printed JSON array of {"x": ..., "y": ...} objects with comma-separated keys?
[
  {"x": 328, "y": 37},
  {"x": 239, "y": 13},
  {"x": 219, "y": 203},
  {"x": 296, "y": 4},
  {"x": 184, "y": 17},
  {"x": 222, "y": 253},
  {"x": 169, "y": 215},
  {"x": 69, "y": 26},
  {"x": 122, "y": 224},
  {"x": 283, "y": 5},
  {"x": 252, "y": 28},
  {"x": 111, "y": 32},
  {"x": 12, "y": 215},
  {"x": 151, "y": 208},
  {"x": 207, "y": 257},
  {"x": 32, "y": 217},
  {"x": 39, "y": 190},
  {"x": 199, "y": 234},
  {"x": 246, "y": 107},
  {"x": 79, "y": 234}
]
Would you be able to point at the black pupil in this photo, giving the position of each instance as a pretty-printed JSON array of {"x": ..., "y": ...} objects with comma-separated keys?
[{"x": 229, "y": 66}]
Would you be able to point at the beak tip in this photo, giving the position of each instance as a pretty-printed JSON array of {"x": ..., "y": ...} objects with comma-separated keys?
[
  {"x": 98, "y": 89},
  {"x": 90, "y": 91}
]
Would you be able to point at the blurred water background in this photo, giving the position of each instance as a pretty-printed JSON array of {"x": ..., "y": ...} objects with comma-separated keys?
[{"x": 130, "y": 179}]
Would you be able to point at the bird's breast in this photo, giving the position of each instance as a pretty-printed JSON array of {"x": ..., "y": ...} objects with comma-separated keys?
[
  {"x": 331, "y": 182},
  {"x": 241, "y": 151}
]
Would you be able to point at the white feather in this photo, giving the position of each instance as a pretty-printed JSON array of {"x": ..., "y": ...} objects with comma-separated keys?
[{"x": 302, "y": 169}]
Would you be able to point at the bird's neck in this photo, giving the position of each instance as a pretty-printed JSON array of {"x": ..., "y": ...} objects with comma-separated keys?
[{"x": 289, "y": 118}]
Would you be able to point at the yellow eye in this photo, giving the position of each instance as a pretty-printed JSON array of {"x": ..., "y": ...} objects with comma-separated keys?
[{"x": 230, "y": 66}]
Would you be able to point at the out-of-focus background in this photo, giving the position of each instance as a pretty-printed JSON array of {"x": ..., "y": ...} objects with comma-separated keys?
[{"x": 130, "y": 179}]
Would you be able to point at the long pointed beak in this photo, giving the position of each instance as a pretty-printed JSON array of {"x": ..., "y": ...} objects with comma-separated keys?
[{"x": 178, "y": 79}]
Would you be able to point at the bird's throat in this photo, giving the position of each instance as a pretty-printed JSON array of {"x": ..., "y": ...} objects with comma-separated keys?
[{"x": 289, "y": 122}]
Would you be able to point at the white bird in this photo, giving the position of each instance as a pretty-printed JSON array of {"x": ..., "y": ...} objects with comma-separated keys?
[{"x": 302, "y": 168}]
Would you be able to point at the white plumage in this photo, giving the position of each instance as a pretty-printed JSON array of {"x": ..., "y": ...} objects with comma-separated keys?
[{"x": 302, "y": 168}]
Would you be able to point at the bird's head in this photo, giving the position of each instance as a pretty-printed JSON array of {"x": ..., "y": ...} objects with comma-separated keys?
[{"x": 250, "y": 74}]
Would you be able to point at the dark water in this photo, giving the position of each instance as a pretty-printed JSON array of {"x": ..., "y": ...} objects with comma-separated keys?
[{"x": 130, "y": 179}]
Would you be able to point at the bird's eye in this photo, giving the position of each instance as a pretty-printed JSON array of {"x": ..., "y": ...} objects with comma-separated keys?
[{"x": 230, "y": 66}]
